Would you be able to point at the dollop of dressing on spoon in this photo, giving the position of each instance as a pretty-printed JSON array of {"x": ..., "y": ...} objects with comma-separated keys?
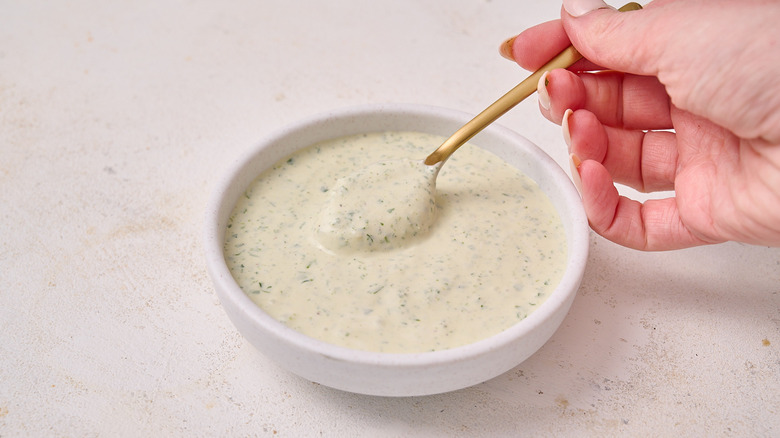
[{"x": 380, "y": 207}]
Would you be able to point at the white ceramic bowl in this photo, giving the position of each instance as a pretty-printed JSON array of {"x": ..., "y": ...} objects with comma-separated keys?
[{"x": 385, "y": 373}]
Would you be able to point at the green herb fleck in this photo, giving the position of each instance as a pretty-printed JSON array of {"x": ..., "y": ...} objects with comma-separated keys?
[{"x": 264, "y": 289}]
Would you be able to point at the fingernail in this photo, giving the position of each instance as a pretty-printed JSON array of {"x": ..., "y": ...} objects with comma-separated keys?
[
  {"x": 565, "y": 127},
  {"x": 578, "y": 8},
  {"x": 541, "y": 89},
  {"x": 574, "y": 164},
  {"x": 506, "y": 49}
]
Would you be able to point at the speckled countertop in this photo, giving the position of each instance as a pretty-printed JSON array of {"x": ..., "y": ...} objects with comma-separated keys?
[{"x": 116, "y": 119}]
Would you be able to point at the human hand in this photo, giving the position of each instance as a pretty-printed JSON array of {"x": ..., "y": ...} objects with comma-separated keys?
[{"x": 707, "y": 70}]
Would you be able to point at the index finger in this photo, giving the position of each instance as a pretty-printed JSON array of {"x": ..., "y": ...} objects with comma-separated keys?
[{"x": 533, "y": 47}]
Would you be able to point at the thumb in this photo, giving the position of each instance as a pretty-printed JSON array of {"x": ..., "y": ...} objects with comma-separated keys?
[{"x": 612, "y": 39}]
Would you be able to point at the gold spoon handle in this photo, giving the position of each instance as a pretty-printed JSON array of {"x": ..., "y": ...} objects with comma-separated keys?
[{"x": 566, "y": 58}]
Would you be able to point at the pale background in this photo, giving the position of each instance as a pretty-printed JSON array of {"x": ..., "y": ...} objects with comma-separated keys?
[{"x": 116, "y": 119}]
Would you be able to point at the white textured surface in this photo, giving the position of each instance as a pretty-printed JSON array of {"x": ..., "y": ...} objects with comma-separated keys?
[{"x": 117, "y": 117}]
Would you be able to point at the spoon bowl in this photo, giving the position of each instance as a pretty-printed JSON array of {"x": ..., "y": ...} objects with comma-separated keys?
[{"x": 379, "y": 207}]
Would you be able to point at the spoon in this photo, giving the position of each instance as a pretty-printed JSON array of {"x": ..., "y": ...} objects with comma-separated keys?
[
  {"x": 356, "y": 218},
  {"x": 565, "y": 59}
]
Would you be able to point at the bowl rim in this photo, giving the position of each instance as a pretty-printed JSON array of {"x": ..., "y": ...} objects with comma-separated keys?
[{"x": 228, "y": 289}]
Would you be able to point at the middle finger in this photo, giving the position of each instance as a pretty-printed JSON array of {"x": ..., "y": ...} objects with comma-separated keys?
[{"x": 617, "y": 99}]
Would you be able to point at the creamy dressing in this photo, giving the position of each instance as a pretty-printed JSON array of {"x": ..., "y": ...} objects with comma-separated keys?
[
  {"x": 380, "y": 207},
  {"x": 493, "y": 250}
]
